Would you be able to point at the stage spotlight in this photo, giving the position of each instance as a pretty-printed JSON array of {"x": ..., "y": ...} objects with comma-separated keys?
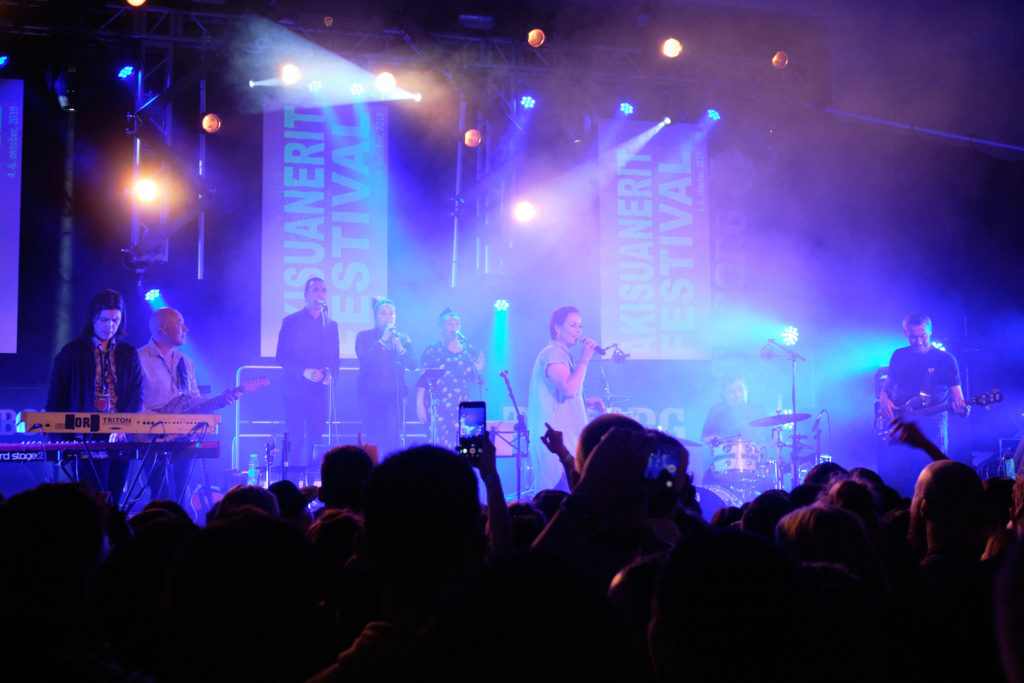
[
  {"x": 126, "y": 72},
  {"x": 626, "y": 108},
  {"x": 145, "y": 190},
  {"x": 527, "y": 102},
  {"x": 385, "y": 82},
  {"x": 290, "y": 74},
  {"x": 473, "y": 138},
  {"x": 780, "y": 60},
  {"x": 152, "y": 295},
  {"x": 315, "y": 86},
  {"x": 136, "y": 3},
  {"x": 714, "y": 115},
  {"x": 211, "y": 122},
  {"x": 790, "y": 335},
  {"x": 357, "y": 89},
  {"x": 672, "y": 48},
  {"x": 939, "y": 345},
  {"x": 666, "y": 121},
  {"x": 417, "y": 97},
  {"x": 524, "y": 212},
  {"x": 535, "y": 37},
  {"x": 252, "y": 84},
  {"x": 501, "y": 305},
  {"x": 3, "y": 60}
]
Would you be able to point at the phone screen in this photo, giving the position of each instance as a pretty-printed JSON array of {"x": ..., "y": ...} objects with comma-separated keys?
[
  {"x": 662, "y": 465},
  {"x": 472, "y": 428}
]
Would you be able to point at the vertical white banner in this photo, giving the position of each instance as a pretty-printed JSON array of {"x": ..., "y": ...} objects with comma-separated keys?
[
  {"x": 325, "y": 213},
  {"x": 655, "y": 248},
  {"x": 12, "y": 112}
]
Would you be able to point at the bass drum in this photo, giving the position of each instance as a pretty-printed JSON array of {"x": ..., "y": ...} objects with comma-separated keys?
[{"x": 713, "y": 498}]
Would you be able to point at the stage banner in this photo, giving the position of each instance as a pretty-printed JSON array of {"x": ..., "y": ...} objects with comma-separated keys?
[
  {"x": 655, "y": 254},
  {"x": 325, "y": 213},
  {"x": 11, "y": 114}
]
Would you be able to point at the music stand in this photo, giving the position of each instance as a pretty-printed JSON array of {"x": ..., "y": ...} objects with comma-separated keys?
[{"x": 428, "y": 380}]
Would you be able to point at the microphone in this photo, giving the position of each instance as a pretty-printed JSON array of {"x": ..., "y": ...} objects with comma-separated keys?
[
  {"x": 767, "y": 352},
  {"x": 817, "y": 420},
  {"x": 323, "y": 314}
]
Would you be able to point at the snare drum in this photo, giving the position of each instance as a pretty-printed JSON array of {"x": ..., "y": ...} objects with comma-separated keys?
[{"x": 738, "y": 456}]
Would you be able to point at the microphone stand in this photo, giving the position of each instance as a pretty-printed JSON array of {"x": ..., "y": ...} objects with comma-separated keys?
[
  {"x": 522, "y": 435},
  {"x": 332, "y": 371}
]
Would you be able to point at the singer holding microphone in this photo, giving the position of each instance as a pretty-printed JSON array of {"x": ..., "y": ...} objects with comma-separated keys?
[
  {"x": 460, "y": 364},
  {"x": 308, "y": 352},
  {"x": 556, "y": 395},
  {"x": 384, "y": 354}
]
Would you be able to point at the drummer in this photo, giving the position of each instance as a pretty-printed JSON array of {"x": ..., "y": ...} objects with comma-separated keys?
[{"x": 730, "y": 418}]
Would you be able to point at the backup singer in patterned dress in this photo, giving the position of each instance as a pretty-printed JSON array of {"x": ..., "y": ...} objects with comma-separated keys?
[{"x": 460, "y": 364}]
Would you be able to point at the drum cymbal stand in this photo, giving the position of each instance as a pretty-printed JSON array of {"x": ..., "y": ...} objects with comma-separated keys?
[{"x": 773, "y": 349}]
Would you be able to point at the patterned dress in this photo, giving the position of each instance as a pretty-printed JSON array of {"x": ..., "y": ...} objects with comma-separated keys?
[{"x": 451, "y": 388}]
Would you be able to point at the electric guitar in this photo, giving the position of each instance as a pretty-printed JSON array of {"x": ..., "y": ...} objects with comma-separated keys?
[
  {"x": 918, "y": 406},
  {"x": 180, "y": 404}
]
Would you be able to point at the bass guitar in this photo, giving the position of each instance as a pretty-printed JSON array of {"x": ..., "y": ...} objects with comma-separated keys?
[
  {"x": 919, "y": 406},
  {"x": 182, "y": 403}
]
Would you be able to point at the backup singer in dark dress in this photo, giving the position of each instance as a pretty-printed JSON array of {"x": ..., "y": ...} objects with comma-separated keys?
[
  {"x": 98, "y": 372},
  {"x": 308, "y": 351},
  {"x": 384, "y": 354}
]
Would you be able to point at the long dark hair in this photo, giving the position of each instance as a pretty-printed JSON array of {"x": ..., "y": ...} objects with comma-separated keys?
[{"x": 106, "y": 300}]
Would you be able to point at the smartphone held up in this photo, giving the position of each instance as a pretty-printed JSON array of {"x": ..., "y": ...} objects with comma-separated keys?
[{"x": 472, "y": 429}]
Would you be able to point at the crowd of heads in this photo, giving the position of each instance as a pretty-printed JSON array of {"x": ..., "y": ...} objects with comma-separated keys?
[{"x": 398, "y": 577}]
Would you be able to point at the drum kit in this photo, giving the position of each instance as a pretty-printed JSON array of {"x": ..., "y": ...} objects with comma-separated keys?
[{"x": 742, "y": 469}]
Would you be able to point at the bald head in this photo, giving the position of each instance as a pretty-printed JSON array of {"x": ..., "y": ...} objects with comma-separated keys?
[
  {"x": 167, "y": 327},
  {"x": 948, "y": 503}
]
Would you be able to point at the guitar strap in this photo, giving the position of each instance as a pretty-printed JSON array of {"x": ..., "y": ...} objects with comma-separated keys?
[{"x": 182, "y": 375}]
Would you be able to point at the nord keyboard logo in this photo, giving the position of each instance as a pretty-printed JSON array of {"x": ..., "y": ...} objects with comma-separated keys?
[{"x": 89, "y": 423}]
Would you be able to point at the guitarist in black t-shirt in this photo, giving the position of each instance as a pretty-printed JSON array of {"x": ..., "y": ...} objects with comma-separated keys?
[{"x": 920, "y": 376}]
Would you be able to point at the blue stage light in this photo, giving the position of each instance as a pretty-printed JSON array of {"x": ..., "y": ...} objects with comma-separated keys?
[
  {"x": 501, "y": 305},
  {"x": 126, "y": 72},
  {"x": 790, "y": 335},
  {"x": 626, "y": 108},
  {"x": 527, "y": 102},
  {"x": 938, "y": 345},
  {"x": 714, "y": 115},
  {"x": 3, "y": 60},
  {"x": 152, "y": 295}
]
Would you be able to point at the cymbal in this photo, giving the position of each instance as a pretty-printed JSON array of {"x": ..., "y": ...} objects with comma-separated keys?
[
  {"x": 690, "y": 444},
  {"x": 781, "y": 419}
]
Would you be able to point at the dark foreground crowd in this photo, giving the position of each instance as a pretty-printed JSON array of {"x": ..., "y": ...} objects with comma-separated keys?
[{"x": 403, "y": 577}]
